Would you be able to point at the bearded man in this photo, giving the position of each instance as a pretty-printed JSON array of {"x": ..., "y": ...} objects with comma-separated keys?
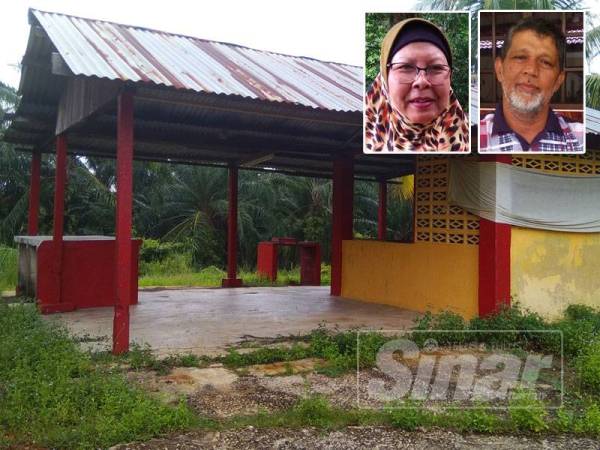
[{"x": 530, "y": 70}]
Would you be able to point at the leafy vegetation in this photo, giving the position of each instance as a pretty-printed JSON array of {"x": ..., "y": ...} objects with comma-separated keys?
[
  {"x": 8, "y": 268},
  {"x": 527, "y": 413},
  {"x": 53, "y": 395}
]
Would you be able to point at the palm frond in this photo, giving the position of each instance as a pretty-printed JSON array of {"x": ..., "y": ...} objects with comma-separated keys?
[
  {"x": 592, "y": 87},
  {"x": 592, "y": 43},
  {"x": 405, "y": 190},
  {"x": 15, "y": 219}
]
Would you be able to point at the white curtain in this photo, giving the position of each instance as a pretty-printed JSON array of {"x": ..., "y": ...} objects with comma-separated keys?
[{"x": 527, "y": 198}]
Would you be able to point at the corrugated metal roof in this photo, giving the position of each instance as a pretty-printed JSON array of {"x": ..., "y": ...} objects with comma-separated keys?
[
  {"x": 592, "y": 120},
  {"x": 122, "y": 52}
]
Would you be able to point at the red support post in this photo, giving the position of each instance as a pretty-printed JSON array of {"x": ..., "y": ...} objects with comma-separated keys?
[
  {"x": 382, "y": 211},
  {"x": 343, "y": 196},
  {"x": 34, "y": 194},
  {"x": 494, "y": 257},
  {"x": 60, "y": 181},
  {"x": 123, "y": 222},
  {"x": 232, "y": 198}
]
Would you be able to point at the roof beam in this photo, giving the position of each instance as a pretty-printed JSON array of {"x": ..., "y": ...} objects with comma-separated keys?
[
  {"x": 257, "y": 159},
  {"x": 240, "y": 105}
]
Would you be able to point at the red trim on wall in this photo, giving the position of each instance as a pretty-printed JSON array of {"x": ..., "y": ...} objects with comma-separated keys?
[
  {"x": 382, "y": 211},
  {"x": 123, "y": 221},
  {"x": 34, "y": 194},
  {"x": 343, "y": 196},
  {"x": 494, "y": 258}
]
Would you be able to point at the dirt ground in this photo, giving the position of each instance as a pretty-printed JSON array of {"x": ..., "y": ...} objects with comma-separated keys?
[
  {"x": 381, "y": 438},
  {"x": 220, "y": 393}
]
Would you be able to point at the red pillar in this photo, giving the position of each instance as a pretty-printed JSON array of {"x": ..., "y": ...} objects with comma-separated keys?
[
  {"x": 54, "y": 303},
  {"x": 232, "y": 199},
  {"x": 34, "y": 194},
  {"x": 123, "y": 222},
  {"x": 382, "y": 211},
  {"x": 343, "y": 196},
  {"x": 494, "y": 258}
]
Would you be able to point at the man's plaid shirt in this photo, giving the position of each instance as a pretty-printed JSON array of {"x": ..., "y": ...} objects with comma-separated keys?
[{"x": 557, "y": 136}]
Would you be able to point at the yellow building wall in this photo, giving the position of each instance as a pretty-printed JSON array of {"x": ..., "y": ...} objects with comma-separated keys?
[
  {"x": 421, "y": 276},
  {"x": 551, "y": 270}
]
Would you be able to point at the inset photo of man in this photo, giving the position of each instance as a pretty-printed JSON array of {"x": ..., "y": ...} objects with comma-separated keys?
[{"x": 531, "y": 82}]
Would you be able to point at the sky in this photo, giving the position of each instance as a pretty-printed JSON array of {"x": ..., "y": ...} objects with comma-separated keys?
[{"x": 331, "y": 30}]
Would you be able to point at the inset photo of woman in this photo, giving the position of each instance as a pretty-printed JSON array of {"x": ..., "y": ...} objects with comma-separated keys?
[{"x": 417, "y": 83}]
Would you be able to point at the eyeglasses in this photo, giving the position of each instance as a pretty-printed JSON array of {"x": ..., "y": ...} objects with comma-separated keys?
[{"x": 407, "y": 73}]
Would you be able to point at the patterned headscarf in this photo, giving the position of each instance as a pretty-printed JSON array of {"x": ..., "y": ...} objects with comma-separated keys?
[{"x": 386, "y": 129}]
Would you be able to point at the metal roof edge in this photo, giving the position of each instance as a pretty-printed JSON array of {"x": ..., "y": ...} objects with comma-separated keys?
[{"x": 32, "y": 13}]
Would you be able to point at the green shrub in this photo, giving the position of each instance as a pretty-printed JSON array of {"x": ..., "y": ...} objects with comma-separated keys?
[
  {"x": 527, "y": 412},
  {"x": 409, "y": 415},
  {"x": 589, "y": 421},
  {"x": 8, "y": 268},
  {"x": 170, "y": 265},
  {"x": 445, "y": 320},
  {"x": 265, "y": 355},
  {"x": 582, "y": 312},
  {"x": 153, "y": 250},
  {"x": 513, "y": 318},
  {"x": 577, "y": 336},
  {"x": 563, "y": 422},
  {"x": 340, "y": 349},
  {"x": 325, "y": 274},
  {"x": 475, "y": 419},
  {"x": 315, "y": 411},
  {"x": 587, "y": 365},
  {"x": 54, "y": 395}
]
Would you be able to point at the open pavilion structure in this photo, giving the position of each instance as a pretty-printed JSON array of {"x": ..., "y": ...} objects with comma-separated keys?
[{"x": 96, "y": 88}]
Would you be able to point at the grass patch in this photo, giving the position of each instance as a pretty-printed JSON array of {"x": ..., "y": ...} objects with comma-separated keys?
[
  {"x": 8, "y": 268},
  {"x": 265, "y": 355},
  {"x": 141, "y": 357},
  {"x": 314, "y": 411},
  {"x": 52, "y": 394},
  {"x": 212, "y": 277},
  {"x": 527, "y": 413},
  {"x": 338, "y": 349},
  {"x": 524, "y": 416}
]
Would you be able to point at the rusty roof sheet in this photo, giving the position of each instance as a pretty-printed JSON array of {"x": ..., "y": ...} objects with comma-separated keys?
[{"x": 128, "y": 53}]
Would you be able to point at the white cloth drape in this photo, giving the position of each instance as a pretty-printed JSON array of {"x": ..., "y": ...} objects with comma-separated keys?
[{"x": 527, "y": 198}]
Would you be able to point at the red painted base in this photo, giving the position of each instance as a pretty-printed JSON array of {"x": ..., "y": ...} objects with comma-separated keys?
[
  {"x": 310, "y": 263},
  {"x": 266, "y": 260},
  {"x": 231, "y": 282},
  {"x": 87, "y": 278}
]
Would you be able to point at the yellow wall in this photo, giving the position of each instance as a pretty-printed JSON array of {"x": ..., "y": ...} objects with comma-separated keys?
[
  {"x": 421, "y": 276},
  {"x": 550, "y": 270}
]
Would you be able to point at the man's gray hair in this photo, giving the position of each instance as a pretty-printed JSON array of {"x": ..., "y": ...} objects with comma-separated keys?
[{"x": 541, "y": 27}]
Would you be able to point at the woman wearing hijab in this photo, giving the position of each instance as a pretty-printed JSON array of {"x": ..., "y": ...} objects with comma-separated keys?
[{"x": 410, "y": 106}]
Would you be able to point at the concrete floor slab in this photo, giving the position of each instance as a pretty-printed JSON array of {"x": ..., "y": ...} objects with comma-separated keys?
[{"x": 207, "y": 321}]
